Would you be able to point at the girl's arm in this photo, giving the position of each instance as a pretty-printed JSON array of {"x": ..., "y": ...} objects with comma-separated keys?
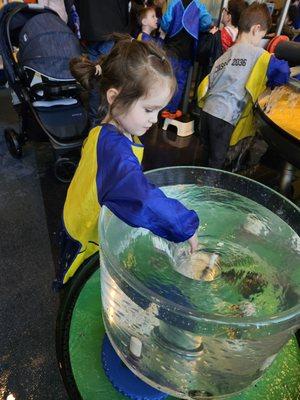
[{"x": 125, "y": 190}]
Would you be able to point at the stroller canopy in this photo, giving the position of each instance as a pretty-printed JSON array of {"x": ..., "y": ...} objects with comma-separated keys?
[{"x": 46, "y": 45}]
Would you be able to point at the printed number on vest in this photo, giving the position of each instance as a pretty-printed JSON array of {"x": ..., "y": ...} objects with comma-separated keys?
[{"x": 239, "y": 62}]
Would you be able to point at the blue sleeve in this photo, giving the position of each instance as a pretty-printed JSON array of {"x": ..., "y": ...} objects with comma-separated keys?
[
  {"x": 124, "y": 189},
  {"x": 205, "y": 19},
  {"x": 278, "y": 72},
  {"x": 167, "y": 17}
]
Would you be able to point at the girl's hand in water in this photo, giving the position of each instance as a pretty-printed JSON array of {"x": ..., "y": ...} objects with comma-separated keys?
[{"x": 193, "y": 242}]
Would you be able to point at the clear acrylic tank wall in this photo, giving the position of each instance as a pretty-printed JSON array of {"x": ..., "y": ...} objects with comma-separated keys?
[{"x": 208, "y": 324}]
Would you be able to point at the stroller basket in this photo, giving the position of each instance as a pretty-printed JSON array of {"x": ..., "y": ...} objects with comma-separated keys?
[{"x": 64, "y": 122}]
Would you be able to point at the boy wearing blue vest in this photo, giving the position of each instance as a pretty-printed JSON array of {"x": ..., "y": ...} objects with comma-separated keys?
[
  {"x": 236, "y": 81},
  {"x": 148, "y": 22}
]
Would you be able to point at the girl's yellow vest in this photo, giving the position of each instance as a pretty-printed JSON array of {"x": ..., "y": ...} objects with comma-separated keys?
[{"x": 82, "y": 209}]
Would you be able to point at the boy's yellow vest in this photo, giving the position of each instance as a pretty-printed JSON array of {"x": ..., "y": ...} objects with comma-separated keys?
[
  {"x": 82, "y": 209},
  {"x": 255, "y": 86}
]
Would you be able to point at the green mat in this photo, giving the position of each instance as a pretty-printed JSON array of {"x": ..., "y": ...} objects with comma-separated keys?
[{"x": 280, "y": 382}]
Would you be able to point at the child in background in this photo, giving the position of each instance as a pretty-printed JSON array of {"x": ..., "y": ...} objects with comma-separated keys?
[
  {"x": 182, "y": 22},
  {"x": 136, "y": 81},
  {"x": 294, "y": 14},
  {"x": 237, "y": 79},
  {"x": 147, "y": 20},
  {"x": 291, "y": 28},
  {"x": 230, "y": 20},
  {"x": 160, "y": 8},
  {"x": 215, "y": 42},
  {"x": 135, "y": 7}
]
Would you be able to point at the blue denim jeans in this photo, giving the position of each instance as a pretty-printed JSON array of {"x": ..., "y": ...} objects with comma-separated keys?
[{"x": 95, "y": 50}]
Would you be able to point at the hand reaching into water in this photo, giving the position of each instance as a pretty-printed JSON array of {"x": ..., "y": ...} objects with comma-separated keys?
[{"x": 193, "y": 242}]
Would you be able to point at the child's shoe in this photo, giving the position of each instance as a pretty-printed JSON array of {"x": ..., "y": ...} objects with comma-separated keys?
[{"x": 168, "y": 114}]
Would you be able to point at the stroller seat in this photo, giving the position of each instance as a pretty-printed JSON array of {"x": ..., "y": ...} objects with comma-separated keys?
[{"x": 36, "y": 47}]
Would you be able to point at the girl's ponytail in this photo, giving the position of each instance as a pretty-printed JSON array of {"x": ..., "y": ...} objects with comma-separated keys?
[{"x": 86, "y": 72}]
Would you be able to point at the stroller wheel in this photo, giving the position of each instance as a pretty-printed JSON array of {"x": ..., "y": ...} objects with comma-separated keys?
[
  {"x": 64, "y": 169},
  {"x": 13, "y": 143}
]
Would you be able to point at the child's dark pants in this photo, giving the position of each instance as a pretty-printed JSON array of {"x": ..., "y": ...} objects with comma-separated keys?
[{"x": 216, "y": 134}]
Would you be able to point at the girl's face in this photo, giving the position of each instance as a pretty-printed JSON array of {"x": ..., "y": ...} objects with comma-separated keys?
[
  {"x": 226, "y": 17},
  {"x": 144, "y": 112}
]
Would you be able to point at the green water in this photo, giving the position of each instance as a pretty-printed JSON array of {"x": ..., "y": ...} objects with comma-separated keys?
[{"x": 259, "y": 257}]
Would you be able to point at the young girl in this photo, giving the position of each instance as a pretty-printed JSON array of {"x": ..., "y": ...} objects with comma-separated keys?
[
  {"x": 230, "y": 20},
  {"x": 136, "y": 81}
]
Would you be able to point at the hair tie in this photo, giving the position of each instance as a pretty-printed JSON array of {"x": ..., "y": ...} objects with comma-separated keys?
[
  {"x": 132, "y": 39},
  {"x": 98, "y": 69}
]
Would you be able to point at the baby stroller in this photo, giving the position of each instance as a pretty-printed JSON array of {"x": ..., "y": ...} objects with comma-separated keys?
[{"x": 36, "y": 46}]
